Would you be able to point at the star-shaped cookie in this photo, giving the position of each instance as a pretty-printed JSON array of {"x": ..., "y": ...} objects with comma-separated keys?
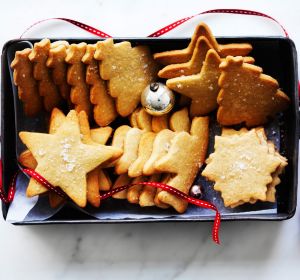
[
  {"x": 184, "y": 55},
  {"x": 202, "y": 88},
  {"x": 63, "y": 159},
  {"x": 193, "y": 66}
]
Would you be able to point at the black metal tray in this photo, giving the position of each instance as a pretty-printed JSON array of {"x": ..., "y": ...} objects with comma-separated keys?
[{"x": 276, "y": 55}]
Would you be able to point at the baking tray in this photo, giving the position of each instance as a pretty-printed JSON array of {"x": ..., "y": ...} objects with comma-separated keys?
[{"x": 276, "y": 55}]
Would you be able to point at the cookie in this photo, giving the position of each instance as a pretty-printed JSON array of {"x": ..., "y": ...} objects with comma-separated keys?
[
  {"x": 27, "y": 160},
  {"x": 27, "y": 86},
  {"x": 234, "y": 49},
  {"x": 159, "y": 123},
  {"x": 202, "y": 88},
  {"x": 180, "y": 121},
  {"x": 147, "y": 195},
  {"x": 246, "y": 95},
  {"x": 118, "y": 142},
  {"x": 80, "y": 94},
  {"x": 104, "y": 105},
  {"x": 130, "y": 154},
  {"x": 122, "y": 180},
  {"x": 101, "y": 135},
  {"x": 271, "y": 188},
  {"x": 104, "y": 180},
  {"x": 191, "y": 67},
  {"x": 71, "y": 160},
  {"x": 144, "y": 120},
  {"x": 241, "y": 167},
  {"x": 56, "y": 61},
  {"x": 182, "y": 56},
  {"x": 133, "y": 193},
  {"x": 184, "y": 158},
  {"x": 144, "y": 153},
  {"x": 128, "y": 71},
  {"x": 165, "y": 178},
  {"x": 93, "y": 184},
  {"x": 133, "y": 117},
  {"x": 46, "y": 87},
  {"x": 57, "y": 118},
  {"x": 161, "y": 146}
]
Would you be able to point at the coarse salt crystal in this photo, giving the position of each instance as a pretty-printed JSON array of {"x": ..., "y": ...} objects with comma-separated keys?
[
  {"x": 70, "y": 167},
  {"x": 41, "y": 152}
]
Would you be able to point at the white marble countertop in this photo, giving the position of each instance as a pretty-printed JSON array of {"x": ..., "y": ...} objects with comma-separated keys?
[{"x": 249, "y": 250}]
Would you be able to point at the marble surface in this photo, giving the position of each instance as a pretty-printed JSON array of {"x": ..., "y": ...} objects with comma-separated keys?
[{"x": 249, "y": 250}]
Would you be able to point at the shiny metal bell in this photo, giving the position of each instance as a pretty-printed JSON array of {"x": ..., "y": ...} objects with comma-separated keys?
[{"x": 157, "y": 99}]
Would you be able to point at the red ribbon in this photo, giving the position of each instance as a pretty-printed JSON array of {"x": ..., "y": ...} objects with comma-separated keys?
[
  {"x": 177, "y": 193},
  {"x": 11, "y": 190},
  {"x": 165, "y": 29},
  {"x": 173, "y": 25}
]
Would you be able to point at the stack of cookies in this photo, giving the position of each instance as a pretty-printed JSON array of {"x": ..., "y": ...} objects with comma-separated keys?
[
  {"x": 52, "y": 73},
  {"x": 104, "y": 81}
]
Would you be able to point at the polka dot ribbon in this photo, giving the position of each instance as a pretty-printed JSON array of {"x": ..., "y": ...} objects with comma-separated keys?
[
  {"x": 165, "y": 29},
  {"x": 171, "y": 190}
]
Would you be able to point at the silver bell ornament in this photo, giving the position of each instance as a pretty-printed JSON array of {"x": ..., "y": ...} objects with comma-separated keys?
[{"x": 157, "y": 99}]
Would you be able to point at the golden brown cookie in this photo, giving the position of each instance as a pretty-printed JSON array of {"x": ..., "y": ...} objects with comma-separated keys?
[
  {"x": 57, "y": 118},
  {"x": 165, "y": 178},
  {"x": 180, "y": 121},
  {"x": 148, "y": 193},
  {"x": 134, "y": 192},
  {"x": 71, "y": 160},
  {"x": 202, "y": 88},
  {"x": 161, "y": 145},
  {"x": 56, "y": 61},
  {"x": 133, "y": 117},
  {"x": 234, "y": 49},
  {"x": 271, "y": 188},
  {"x": 122, "y": 180},
  {"x": 27, "y": 160},
  {"x": 105, "y": 183},
  {"x": 182, "y": 56},
  {"x": 128, "y": 71},
  {"x": 184, "y": 159},
  {"x": 159, "y": 123},
  {"x": 104, "y": 109},
  {"x": 130, "y": 154},
  {"x": 193, "y": 66},
  {"x": 80, "y": 95},
  {"x": 118, "y": 142},
  {"x": 46, "y": 87},
  {"x": 27, "y": 86},
  {"x": 241, "y": 167},
  {"x": 144, "y": 153},
  {"x": 100, "y": 137},
  {"x": 144, "y": 120},
  {"x": 246, "y": 95}
]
